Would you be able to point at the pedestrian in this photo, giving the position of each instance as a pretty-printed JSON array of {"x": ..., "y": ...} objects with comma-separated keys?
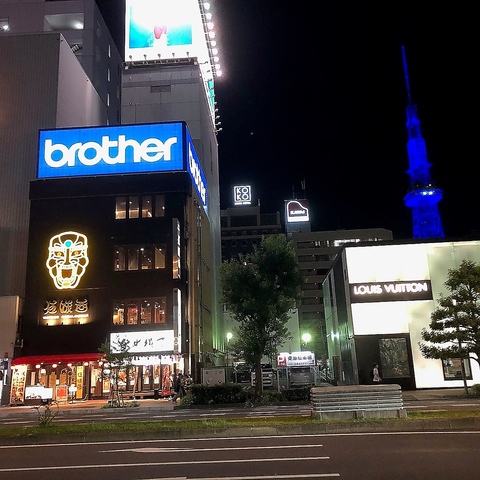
[
  {"x": 179, "y": 388},
  {"x": 375, "y": 374}
]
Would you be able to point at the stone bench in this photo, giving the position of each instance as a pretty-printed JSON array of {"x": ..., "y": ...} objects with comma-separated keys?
[{"x": 357, "y": 402}]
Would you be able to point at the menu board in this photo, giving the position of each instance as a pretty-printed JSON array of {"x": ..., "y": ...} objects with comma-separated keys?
[{"x": 17, "y": 392}]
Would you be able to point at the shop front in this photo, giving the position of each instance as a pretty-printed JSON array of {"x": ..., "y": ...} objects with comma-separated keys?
[{"x": 83, "y": 377}]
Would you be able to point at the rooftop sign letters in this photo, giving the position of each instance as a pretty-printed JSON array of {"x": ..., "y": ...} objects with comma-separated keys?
[
  {"x": 391, "y": 291},
  {"x": 110, "y": 150},
  {"x": 297, "y": 211},
  {"x": 242, "y": 195}
]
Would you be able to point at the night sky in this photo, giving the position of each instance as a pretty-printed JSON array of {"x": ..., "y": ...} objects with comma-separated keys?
[{"x": 318, "y": 94}]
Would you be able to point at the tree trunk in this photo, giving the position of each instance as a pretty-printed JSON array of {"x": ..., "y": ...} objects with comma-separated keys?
[
  {"x": 258, "y": 379},
  {"x": 465, "y": 386}
]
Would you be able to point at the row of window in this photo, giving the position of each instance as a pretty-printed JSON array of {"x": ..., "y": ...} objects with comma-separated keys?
[
  {"x": 140, "y": 311},
  {"x": 135, "y": 206},
  {"x": 139, "y": 257}
]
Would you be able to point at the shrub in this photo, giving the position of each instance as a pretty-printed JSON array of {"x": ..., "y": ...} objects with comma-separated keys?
[
  {"x": 475, "y": 389},
  {"x": 218, "y": 394}
]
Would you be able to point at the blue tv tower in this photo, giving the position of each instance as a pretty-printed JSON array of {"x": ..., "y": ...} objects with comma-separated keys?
[{"x": 423, "y": 196}]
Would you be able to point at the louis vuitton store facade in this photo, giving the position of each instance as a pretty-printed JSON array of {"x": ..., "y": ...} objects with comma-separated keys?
[{"x": 378, "y": 298}]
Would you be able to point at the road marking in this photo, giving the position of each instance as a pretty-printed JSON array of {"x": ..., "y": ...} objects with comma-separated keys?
[
  {"x": 159, "y": 464},
  {"x": 256, "y": 477},
  {"x": 191, "y": 449}
]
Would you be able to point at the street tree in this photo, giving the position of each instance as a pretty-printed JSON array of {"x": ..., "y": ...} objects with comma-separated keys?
[
  {"x": 117, "y": 365},
  {"x": 260, "y": 290},
  {"x": 455, "y": 324}
]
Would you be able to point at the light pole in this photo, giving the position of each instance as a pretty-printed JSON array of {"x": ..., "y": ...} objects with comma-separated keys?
[{"x": 229, "y": 337}]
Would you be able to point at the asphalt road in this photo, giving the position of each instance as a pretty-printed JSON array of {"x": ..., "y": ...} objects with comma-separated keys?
[{"x": 373, "y": 456}]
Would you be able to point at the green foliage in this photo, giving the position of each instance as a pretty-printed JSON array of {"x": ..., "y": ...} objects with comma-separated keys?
[
  {"x": 260, "y": 290},
  {"x": 475, "y": 389},
  {"x": 455, "y": 323},
  {"x": 296, "y": 394},
  {"x": 234, "y": 393},
  {"x": 218, "y": 394}
]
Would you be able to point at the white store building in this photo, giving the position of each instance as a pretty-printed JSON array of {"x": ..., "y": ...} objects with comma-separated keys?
[{"x": 378, "y": 298}]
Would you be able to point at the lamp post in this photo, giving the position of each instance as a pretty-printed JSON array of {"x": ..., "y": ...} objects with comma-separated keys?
[{"x": 229, "y": 337}]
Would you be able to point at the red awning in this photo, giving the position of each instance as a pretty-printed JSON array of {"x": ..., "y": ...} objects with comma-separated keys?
[{"x": 62, "y": 358}]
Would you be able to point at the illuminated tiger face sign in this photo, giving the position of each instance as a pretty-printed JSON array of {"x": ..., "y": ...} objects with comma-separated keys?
[{"x": 67, "y": 259}]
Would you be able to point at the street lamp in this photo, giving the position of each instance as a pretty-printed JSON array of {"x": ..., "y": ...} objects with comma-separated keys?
[
  {"x": 306, "y": 337},
  {"x": 229, "y": 337}
]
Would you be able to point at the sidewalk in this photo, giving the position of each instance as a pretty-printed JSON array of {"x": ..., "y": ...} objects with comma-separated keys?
[{"x": 91, "y": 406}]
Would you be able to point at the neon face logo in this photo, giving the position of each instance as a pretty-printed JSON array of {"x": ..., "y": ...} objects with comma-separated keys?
[{"x": 67, "y": 259}]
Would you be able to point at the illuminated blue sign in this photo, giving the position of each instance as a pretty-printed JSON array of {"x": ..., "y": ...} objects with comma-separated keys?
[
  {"x": 196, "y": 173},
  {"x": 111, "y": 150}
]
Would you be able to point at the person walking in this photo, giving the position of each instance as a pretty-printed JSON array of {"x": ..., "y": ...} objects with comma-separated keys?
[
  {"x": 179, "y": 388},
  {"x": 376, "y": 374}
]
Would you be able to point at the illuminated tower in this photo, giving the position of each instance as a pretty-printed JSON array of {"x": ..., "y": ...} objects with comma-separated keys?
[{"x": 423, "y": 196}]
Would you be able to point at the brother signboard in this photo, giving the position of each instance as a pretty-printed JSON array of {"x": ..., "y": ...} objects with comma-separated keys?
[{"x": 118, "y": 150}]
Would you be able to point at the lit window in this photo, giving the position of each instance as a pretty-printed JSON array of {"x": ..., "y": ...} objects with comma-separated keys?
[
  {"x": 132, "y": 314},
  {"x": 159, "y": 307},
  {"x": 133, "y": 258},
  {"x": 119, "y": 263},
  {"x": 160, "y": 256},
  {"x": 133, "y": 207},
  {"x": 147, "y": 206},
  {"x": 146, "y": 258},
  {"x": 146, "y": 312},
  {"x": 121, "y": 208},
  {"x": 159, "y": 205},
  {"x": 119, "y": 313}
]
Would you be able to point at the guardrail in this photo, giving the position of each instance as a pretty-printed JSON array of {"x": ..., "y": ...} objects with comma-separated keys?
[{"x": 357, "y": 402}]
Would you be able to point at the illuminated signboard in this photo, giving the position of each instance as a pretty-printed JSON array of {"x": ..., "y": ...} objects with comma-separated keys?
[
  {"x": 295, "y": 359},
  {"x": 164, "y": 29},
  {"x": 391, "y": 291},
  {"x": 297, "y": 211},
  {"x": 196, "y": 173},
  {"x": 110, "y": 150},
  {"x": 65, "y": 312},
  {"x": 242, "y": 195},
  {"x": 145, "y": 342},
  {"x": 143, "y": 148},
  {"x": 67, "y": 259}
]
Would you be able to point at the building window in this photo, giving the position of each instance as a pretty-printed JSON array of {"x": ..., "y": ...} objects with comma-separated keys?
[
  {"x": 139, "y": 257},
  {"x": 132, "y": 313},
  {"x": 146, "y": 206},
  {"x": 146, "y": 258},
  {"x": 119, "y": 261},
  {"x": 452, "y": 369},
  {"x": 140, "y": 311},
  {"x": 121, "y": 208},
  {"x": 118, "y": 313},
  {"x": 4, "y": 25},
  {"x": 133, "y": 254},
  {"x": 159, "y": 205},
  {"x": 133, "y": 207}
]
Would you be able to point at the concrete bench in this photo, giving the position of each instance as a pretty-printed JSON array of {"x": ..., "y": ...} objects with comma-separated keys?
[{"x": 357, "y": 402}]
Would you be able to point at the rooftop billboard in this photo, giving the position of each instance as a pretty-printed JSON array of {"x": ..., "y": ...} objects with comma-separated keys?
[
  {"x": 118, "y": 150},
  {"x": 164, "y": 29}
]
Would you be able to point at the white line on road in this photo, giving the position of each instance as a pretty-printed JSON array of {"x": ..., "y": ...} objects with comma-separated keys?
[
  {"x": 256, "y": 477},
  {"x": 159, "y": 464},
  {"x": 190, "y": 449}
]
